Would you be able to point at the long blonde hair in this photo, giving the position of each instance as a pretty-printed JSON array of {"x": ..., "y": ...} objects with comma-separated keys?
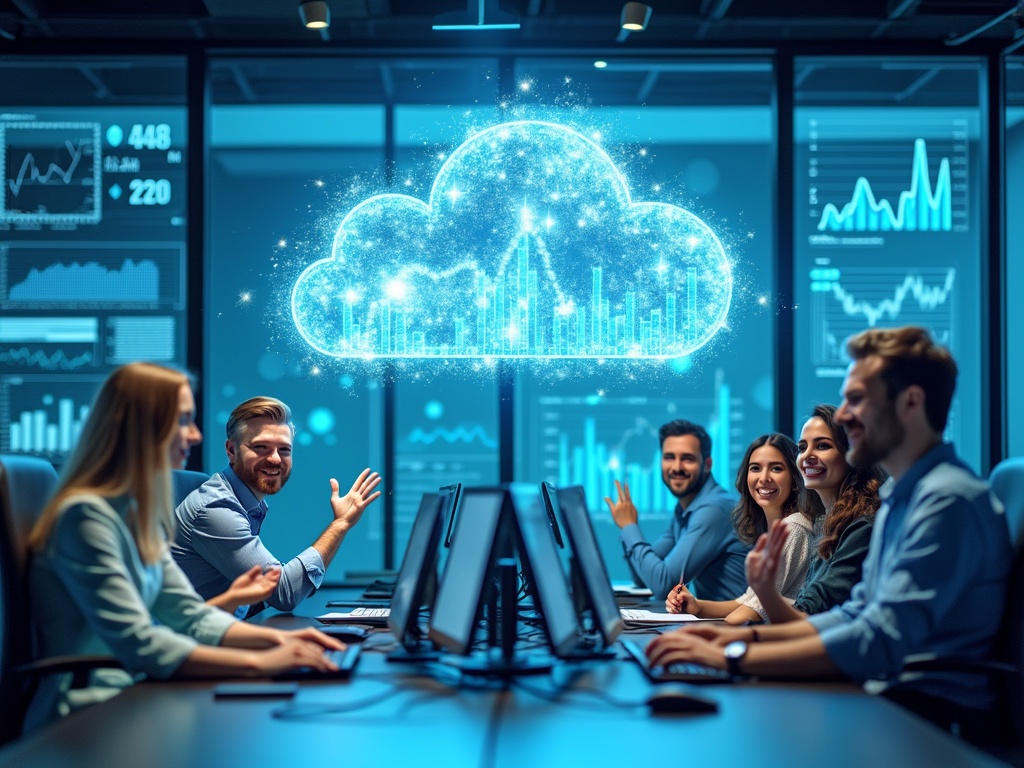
[{"x": 124, "y": 449}]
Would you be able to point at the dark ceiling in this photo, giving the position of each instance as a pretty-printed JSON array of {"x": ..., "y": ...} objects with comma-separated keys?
[
  {"x": 386, "y": 50},
  {"x": 544, "y": 23}
]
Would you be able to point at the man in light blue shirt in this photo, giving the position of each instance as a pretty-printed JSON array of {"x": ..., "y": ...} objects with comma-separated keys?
[
  {"x": 217, "y": 537},
  {"x": 699, "y": 547},
  {"x": 934, "y": 580}
]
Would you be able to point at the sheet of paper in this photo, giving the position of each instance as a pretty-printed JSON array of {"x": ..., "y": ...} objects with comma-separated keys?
[{"x": 637, "y": 615}]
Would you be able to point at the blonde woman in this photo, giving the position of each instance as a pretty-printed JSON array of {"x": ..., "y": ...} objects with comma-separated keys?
[{"x": 102, "y": 579}]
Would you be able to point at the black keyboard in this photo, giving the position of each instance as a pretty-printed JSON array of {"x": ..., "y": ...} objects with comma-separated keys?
[
  {"x": 345, "y": 660},
  {"x": 680, "y": 671}
]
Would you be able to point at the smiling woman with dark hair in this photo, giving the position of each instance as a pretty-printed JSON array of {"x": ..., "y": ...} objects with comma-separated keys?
[
  {"x": 850, "y": 498},
  {"x": 771, "y": 491}
]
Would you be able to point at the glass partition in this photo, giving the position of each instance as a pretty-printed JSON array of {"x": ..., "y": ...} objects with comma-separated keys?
[
  {"x": 1014, "y": 286},
  {"x": 889, "y": 188},
  {"x": 691, "y": 135}
]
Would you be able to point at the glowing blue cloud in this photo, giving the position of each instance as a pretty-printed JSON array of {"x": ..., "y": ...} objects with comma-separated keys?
[{"x": 528, "y": 246}]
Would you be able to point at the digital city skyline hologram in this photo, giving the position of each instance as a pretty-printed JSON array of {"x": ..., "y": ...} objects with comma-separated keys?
[{"x": 527, "y": 247}]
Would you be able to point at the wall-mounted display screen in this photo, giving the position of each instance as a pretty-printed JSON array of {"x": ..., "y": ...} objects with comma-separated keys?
[
  {"x": 93, "y": 259},
  {"x": 887, "y": 213}
]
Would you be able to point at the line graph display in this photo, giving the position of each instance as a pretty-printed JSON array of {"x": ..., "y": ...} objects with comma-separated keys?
[
  {"x": 49, "y": 343},
  {"x": 443, "y": 435},
  {"x": 41, "y": 275},
  {"x": 871, "y": 175},
  {"x": 845, "y": 301},
  {"x": 51, "y": 172},
  {"x": 462, "y": 434}
]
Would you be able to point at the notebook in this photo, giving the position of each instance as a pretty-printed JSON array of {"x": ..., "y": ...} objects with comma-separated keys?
[
  {"x": 684, "y": 672},
  {"x": 346, "y": 661},
  {"x": 373, "y": 617}
]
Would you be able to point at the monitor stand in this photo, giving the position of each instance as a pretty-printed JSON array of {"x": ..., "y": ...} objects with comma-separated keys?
[
  {"x": 492, "y": 664},
  {"x": 423, "y": 652}
]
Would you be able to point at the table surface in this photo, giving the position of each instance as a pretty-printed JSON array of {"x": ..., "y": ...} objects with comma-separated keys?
[{"x": 588, "y": 713}]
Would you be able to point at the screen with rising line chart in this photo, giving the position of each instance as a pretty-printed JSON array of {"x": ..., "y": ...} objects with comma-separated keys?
[{"x": 887, "y": 223}]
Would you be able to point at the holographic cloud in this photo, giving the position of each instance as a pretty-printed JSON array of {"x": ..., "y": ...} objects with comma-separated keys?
[{"x": 528, "y": 247}]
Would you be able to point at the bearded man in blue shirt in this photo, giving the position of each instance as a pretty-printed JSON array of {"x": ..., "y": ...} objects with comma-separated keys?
[
  {"x": 699, "y": 548},
  {"x": 217, "y": 532}
]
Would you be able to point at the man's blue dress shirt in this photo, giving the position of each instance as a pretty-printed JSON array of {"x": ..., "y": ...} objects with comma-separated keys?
[
  {"x": 933, "y": 584},
  {"x": 217, "y": 539},
  {"x": 699, "y": 545}
]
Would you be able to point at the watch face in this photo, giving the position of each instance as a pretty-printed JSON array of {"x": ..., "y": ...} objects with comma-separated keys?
[
  {"x": 737, "y": 649},
  {"x": 734, "y": 653}
]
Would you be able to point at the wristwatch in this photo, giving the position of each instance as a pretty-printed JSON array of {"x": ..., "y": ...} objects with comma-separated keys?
[{"x": 734, "y": 654}]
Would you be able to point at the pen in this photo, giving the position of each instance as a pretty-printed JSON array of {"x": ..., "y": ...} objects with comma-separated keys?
[{"x": 356, "y": 604}]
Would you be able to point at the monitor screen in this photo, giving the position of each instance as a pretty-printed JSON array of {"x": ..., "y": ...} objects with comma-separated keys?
[
  {"x": 542, "y": 568},
  {"x": 451, "y": 494},
  {"x": 548, "y": 492},
  {"x": 419, "y": 568},
  {"x": 457, "y": 607},
  {"x": 592, "y": 575}
]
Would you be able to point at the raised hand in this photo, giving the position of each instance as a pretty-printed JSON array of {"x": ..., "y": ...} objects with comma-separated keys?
[
  {"x": 762, "y": 563},
  {"x": 623, "y": 510},
  {"x": 350, "y": 507}
]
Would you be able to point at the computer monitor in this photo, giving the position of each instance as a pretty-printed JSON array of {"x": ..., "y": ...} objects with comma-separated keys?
[
  {"x": 494, "y": 525},
  {"x": 418, "y": 571},
  {"x": 460, "y": 595},
  {"x": 548, "y": 492},
  {"x": 452, "y": 495},
  {"x": 592, "y": 590},
  {"x": 542, "y": 568}
]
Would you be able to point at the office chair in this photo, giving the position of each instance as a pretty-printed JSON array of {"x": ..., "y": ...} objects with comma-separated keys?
[
  {"x": 25, "y": 485},
  {"x": 1007, "y": 482},
  {"x": 184, "y": 481},
  {"x": 1005, "y": 667}
]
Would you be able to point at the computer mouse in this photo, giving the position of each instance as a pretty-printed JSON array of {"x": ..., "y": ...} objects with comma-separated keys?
[
  {"x": 674, "y": 698},
  {"x": 347, "y": 633}
]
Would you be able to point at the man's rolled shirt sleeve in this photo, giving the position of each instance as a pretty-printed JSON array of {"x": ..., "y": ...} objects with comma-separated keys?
[{"x": 224, "y": 538}]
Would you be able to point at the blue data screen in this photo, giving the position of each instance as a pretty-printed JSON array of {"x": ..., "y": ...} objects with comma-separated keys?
[
  {"x": 887, "y": 234},
  {"x": 92, "y": 259}
]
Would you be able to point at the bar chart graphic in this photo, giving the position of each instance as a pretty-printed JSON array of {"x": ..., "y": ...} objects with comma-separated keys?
[
  {"x": 594, "y": 442},
  {"x": 44, "y": 416},
  {"x": 529, "y": 245},
  {"x": 511, "y": 318},
  {"x": 886, "y": 171}
]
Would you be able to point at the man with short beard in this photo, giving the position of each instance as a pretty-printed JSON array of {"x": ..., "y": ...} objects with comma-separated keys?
[
  {"x": 217, "y": 536},
  {"x": 699, "y": 547}
]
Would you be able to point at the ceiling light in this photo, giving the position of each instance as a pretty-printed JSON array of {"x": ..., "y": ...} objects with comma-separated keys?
[
  {"x": 316, "y": 15},
  {"x": 635, "y": 16}
]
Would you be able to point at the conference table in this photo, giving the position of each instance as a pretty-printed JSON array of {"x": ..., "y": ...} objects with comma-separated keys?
[{"x": 583, "y": 713}]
